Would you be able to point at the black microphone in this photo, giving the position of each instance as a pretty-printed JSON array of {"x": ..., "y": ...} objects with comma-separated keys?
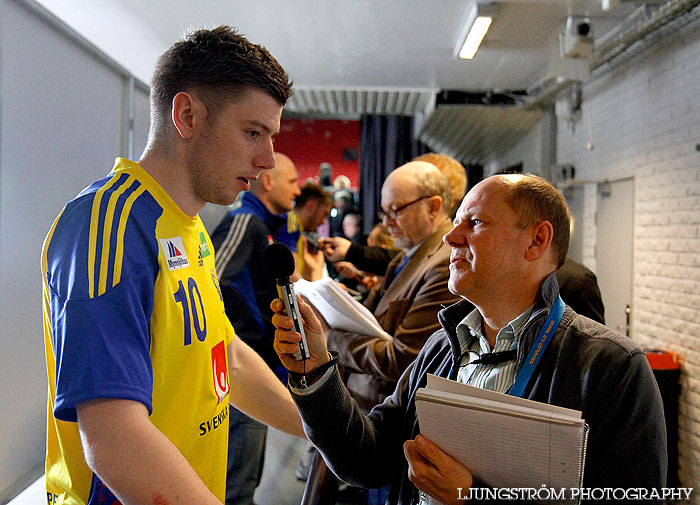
[
  {"x": 493, "y": 358},
  {"x": 280, "y": 265}
]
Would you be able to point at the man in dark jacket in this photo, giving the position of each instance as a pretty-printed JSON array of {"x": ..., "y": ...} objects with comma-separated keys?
[
  {"x": 247, "y": 290},
  {"x": 510, "y": 235},
  {"x": 578, "y": 287}
]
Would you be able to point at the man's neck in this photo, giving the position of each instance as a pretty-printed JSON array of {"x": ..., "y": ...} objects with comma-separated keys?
[
  {"x": 173, "y": 177},
  {"x": 437, "y": 223},
  {"x": 509, "y": 303},
  {"x": 492, "y": 324},
  {"x": 505, "y": 308}
]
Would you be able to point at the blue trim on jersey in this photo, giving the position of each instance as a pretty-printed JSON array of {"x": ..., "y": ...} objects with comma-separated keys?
[
  {"x": 93, "y": 187},
  {"x": 100, "y": 493},
  {"x": 291, "y": 240},
  {"x": 121, "y": 201},
  {"x": 100, "y": 229},
  {"x": 108, "y": 354}
]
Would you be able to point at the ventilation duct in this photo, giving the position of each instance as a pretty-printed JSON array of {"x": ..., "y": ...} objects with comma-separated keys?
[{"x": 309, "y": 101}]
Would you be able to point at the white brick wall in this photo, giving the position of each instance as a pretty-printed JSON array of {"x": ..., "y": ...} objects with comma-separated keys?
[{"x": 646, "y": 121}]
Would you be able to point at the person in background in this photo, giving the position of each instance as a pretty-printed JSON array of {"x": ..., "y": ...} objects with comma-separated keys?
[
  {"x": 341, "y": 182},
  {"x": 345, "y": 272},
  {"x": 455, "y": 173},
  {"x": 343, "y": 204},
  {"x": 375, "y": 260},
  {"x": 510, "y": 235},
  {"x": 311, "y": 209},
  {"x": 579, "y": 289},
  {"x": 415, "y": 199},
  {"x": 142, "y": 361},
  {"x": 378, "y": 237},
  {"x": 325, "y": 174},
  {"x": 352, "y": 229},
  {"x": 239, "y": 242}
]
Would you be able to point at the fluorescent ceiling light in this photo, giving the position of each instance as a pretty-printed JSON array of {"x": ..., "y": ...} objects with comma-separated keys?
[{"x": 478, "y": 22}]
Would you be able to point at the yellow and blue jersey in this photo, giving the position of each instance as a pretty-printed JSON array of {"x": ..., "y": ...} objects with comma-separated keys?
[
  {"x": 133, "y": 310},
  {"x": 291, "y": 237}
]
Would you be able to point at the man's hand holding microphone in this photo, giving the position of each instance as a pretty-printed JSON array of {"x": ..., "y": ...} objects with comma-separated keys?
[{"x": 299, "y": 339}]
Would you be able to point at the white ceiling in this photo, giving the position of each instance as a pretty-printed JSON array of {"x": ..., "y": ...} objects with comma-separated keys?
[
  {"x": 346, "y": 43},
  {"x": 352, "y": 57}
]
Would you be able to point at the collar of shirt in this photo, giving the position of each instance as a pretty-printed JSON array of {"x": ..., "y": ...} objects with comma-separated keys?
[
  {"x": 251, "y": 204},
  {"x": 406, "y": 258},
  {"x": 499, "y": 376},
  {"x": 413, "y": 249},
  {"x": 469, "y": 330}
]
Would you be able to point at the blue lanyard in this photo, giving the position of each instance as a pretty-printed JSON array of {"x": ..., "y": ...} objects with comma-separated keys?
[{"x": 538, "y": 348}]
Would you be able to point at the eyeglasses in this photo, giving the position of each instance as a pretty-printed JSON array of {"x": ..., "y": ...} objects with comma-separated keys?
[{"x": 392, "y": 214}]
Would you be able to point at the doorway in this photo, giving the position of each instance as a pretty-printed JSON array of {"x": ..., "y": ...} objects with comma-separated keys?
[{"x": 614, "y": 251}]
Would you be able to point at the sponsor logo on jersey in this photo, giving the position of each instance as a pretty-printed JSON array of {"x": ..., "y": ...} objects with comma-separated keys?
[
  {"x": 215, "y": 422},
  {"x": 174, "y": 251},
  {"x": 220, "y": 369},
  {"x": 203, "y": 249}
]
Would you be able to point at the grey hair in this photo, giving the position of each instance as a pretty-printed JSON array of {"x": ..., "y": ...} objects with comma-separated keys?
[{"x": 434, "y": 182}]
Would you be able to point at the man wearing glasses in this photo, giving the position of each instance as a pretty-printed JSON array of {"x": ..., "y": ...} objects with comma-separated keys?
[{"x": 415, "y": 205}]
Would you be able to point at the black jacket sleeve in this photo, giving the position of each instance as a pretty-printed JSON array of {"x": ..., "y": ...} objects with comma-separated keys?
[
  {"x": 239, "y": 244},
  {"x": 370, "y": 259}
]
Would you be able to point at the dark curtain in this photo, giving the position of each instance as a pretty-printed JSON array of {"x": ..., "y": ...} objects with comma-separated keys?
[
  {"x": 475, "y": 174},
  {"x": 386, "y": 142}
]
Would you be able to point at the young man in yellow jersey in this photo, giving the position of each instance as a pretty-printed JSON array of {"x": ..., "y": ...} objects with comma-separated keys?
[{"x": 142, "y": 360}]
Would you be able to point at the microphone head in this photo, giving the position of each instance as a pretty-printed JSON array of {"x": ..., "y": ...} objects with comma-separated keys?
[{"x": 279, "y": 261}]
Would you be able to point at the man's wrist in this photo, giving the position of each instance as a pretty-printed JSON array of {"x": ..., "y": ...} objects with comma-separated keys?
[{"x": 305, "y": 380}]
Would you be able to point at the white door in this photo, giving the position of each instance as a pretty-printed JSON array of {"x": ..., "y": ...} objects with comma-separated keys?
[{"x": 614, "y": 249}]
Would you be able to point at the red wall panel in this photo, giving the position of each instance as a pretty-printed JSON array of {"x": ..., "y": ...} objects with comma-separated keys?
[{"x": 310, "y": 142}]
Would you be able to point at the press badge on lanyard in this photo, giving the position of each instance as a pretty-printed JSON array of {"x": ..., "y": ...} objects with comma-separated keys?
[
  {"x": 533, "y": 358},
  {"x": 538, "y": 347}
]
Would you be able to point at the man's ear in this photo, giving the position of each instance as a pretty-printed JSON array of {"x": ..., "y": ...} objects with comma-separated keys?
[
  {"x": 541, "y": 238},
  {"x": 266, "y": 181},
  {"x": 188, "y": 114},
  {"x": 311, "y": 205},
  {"x": 435, "y": 204}
]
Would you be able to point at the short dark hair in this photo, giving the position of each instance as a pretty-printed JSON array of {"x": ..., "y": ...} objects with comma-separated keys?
[
  {"x": 535, "y": 200},
  {"x": 311, "y": 191},
  {"x": 220, "y": 64}
]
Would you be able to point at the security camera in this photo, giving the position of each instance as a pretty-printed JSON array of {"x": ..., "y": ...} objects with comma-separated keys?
[
  {"x": 583, "y": 28},
  {"x": 576, "y": 41}
]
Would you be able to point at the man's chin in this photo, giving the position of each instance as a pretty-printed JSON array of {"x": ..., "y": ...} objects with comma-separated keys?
[
  {"x": 223, "y": 199},
  {"x": 403, "y": 243}
]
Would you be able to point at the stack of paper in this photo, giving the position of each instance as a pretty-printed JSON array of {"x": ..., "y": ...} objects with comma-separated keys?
[
  {"x": 504, "y": 441},
  {"x": 339, "y": 309}
]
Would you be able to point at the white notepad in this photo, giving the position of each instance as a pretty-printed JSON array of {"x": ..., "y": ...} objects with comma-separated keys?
[
  {"x": 339, "y": 309},
  {"x": 504, "y": 441}
]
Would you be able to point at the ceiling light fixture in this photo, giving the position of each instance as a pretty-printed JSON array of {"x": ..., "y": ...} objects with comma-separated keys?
[{"x": 478, "y": 23}]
